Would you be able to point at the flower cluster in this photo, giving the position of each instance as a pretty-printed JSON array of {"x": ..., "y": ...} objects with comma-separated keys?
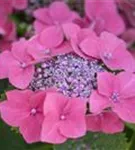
[{"x": 74, "y": 75}]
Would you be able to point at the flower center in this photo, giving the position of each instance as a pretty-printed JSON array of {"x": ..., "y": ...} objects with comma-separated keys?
[
  {"x": 23, "y": 65},
  {"x": 47, "y": 51},
  {"x": 107, "y": 55},
  {"x": 69, "y": 74},
  {"x": 115, "y": 97},
  {"x": 33, "y": 111},
  {"x": 62, "y": 117}
]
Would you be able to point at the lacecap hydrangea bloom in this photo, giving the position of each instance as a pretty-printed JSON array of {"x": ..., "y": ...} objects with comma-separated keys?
[{"x": 69, "y": 80}]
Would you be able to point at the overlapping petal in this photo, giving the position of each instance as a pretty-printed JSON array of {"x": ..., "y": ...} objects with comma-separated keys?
[
  {"x": 64, "y": 118},
  {"x": 24, "y": 109},
  {"x": 106, "y": 122}
]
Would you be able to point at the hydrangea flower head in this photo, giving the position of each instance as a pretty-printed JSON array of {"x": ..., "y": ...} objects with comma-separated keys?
[{"x": 72, "y": 79}]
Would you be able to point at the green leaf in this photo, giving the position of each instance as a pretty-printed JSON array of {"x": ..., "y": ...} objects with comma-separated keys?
[
  {"x": 96, "y": 141},
  {"x": 2, "y": 97},
  {"x": 10, "y": 140},
  {"x": 107, "y": 141},
  {"x": 3, "y": 85},
  {"x": 22, "y": 28},
  {"x": 131, "y": 126},
  {"x": 72, "y": 145}
]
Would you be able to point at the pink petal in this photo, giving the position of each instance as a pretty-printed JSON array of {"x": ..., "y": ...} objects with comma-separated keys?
[
  {"x": 98, "y": 102},
  {"x": 115, "y": 28},
  {"x": 99, "y": 12},
  {"x": 12, "y": 114},
  {"x": 93, "y": 123},
  {"x": 129, "y": 35},
  {"x": 64, "y": 48},
  {"x": 6, "y": 8},
  {"x": 10, "y": 29},
  {"x": 54, "y": 103},
  {"x": 90, "y": 46},
  {"x": 74, "y": 124},
  {"x": 37, "y": 100},
  {"x": 105, "y": 83},
  {"x": 126, "y": 82},
  {"x": 85, "y": 33},
  {"x": 121, "y": 59},
  {"x": 73, "y": 128},
  {"x": 5, "y": 45},
  {"x": 128, "y": 8},
  {"x": 36, "y": 50},
  {"x": 70, "y": 30},
  {"x": 19, "y": 51},
  {"x": 96, "y": 8},
  {"x": 42, "y": 15},
  {"x": 50, "y": 132},
  {"x": 77, "y": 49},
  {"x": 21, "y": 4},
  {"x": 125, "y": 110},
  {"x": 59, "y": 12},
  {"x": 80, "y": 37},
  {"x": 45, "y": 37},
  {"x": 5, "y": 59},
  {"x": 30, "y": 128},
  {"x": 107, "y": 122},
  {"x": 109, "y": 42},
  {"x": 39, "y": 26},
  {"x": 19, "y": 97},
  {"x": 98, "y": 25},
  {"x": 21, "y": 77},
  {"x": 111, "y": 123},
  {"x": 77, "y": 19}
]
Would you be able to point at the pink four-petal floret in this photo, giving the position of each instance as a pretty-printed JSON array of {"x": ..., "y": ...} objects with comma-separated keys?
[{"x": 115, "y": 92}]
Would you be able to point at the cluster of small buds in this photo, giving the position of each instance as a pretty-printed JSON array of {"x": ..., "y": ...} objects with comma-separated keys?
[
  {"x": 43, "y": 77},
  {"x": 69, "y": 74}
]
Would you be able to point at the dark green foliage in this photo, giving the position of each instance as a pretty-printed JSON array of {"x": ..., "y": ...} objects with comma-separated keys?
[
  {"x": 3, "y": 85},
  {"x": 96, "y": 141},
  {"x": 10, "y": 140}
]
